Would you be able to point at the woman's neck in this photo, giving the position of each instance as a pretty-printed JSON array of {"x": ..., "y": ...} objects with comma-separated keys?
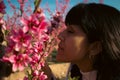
[{"x": 85, "y": 66}]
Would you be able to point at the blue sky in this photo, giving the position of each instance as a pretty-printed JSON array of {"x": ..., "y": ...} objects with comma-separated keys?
[
  {"x": 52, "y": 3},
  {"x": 114, "y": 3}
]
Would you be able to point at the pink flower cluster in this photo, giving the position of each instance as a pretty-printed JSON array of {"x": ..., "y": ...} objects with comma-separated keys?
[
  {"x": 26, "y": 44},
  {"x": 26, "y": 40},
  {"x": 30, "y": 37}
]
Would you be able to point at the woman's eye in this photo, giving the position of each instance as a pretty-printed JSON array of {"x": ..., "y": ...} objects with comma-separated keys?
[{"x": 70, "y": 31}]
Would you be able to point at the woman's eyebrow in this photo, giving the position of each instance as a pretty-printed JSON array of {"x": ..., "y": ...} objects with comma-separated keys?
[{"x": 70, "y": 27}]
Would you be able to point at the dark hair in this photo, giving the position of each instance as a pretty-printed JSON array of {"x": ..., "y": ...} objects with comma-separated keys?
[{"x": 101, "y": 23}]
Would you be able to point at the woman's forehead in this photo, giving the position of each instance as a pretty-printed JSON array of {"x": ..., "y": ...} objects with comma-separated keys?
[{"x": 74, "y": 27}]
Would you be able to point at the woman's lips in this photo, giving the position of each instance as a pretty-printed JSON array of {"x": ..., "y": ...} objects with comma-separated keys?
[{"x": 60, "y": 47}]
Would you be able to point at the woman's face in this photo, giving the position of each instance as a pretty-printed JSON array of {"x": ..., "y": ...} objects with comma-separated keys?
[{"x": 73, "y": 46}]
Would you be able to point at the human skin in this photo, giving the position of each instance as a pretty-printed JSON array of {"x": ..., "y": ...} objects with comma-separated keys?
[{"x": 74, "y": 47}]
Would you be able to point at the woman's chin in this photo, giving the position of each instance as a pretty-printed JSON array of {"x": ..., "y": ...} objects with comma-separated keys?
[{"x": 61, "y": 58}]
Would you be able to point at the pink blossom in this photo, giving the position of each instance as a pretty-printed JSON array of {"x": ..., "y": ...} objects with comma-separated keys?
[
  {"x": 40, "y": 15},
  {"x": 21, "y": 39},
  {"x": 35, "y": 61},
  {"x": 43, "y": 25},
  {"x": 38, "y": 47},
  {"x": 21, "y": 1},
  {"x": 42, "y": 76},
  {"x": 39, "y": 75},
  {"x": 35, "y": 73},
  {"x": 25, "y": 78},
  {"x": 2, "y": 21},
  {"x": 19, "y": 61},
  {"x": 31, "y": 23}
]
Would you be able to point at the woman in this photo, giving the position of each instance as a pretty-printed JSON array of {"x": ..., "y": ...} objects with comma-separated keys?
[{"x": 91, "y": 42}]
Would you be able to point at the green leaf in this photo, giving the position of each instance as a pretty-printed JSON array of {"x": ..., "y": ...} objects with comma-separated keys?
[{"x": 74, "y": 78}]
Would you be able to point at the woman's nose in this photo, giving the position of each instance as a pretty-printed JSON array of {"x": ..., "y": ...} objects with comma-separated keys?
[{"x": 61, "y": 36}]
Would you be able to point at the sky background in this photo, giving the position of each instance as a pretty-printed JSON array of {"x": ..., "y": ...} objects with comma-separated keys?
[
  {"x": 114, "y": 3},
  {"x": 52, "y": 3}
]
